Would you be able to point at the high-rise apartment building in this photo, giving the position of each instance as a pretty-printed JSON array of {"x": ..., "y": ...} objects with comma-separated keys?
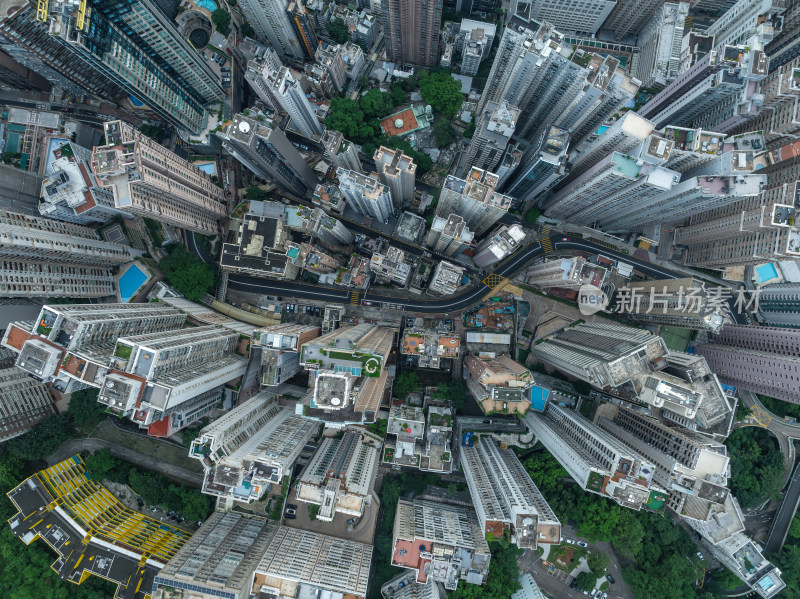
[
  {"x": 583, "y": 18},
  {"x": 691, "y": 466},
  {"x": 261, "y": 247},
  {"x": 596, "y": 460},
  {"x": 474, "y": 42},
  {"x": 23, "y": 402},
  {"x": 250, "y": 448},
  {"x": 764, "y": 360},
  {"x": 165, "y": 381},
  {"x": 567, "y": 273},
  {"x": 629, "y": 17},
  {"x": 446, "y": 278},
  {"x": 505, "y": 497},
  {"x": 270, "y": 21},
  {"x": 660, "y": 44},
  {"x": 86, "y": 335},
  {"x": 684, "y": 302},
  {"x": 541, "y": 167},
  {"x": 449, "y": 235},
  {"x": 42, "y": 257},
  {"x": 499, "y": 384},
  {"x": 474, "y": 199},
  {"x": 779, "y": 305},
  {"x": 280, "y": 350},
  {"x": 269, "y": 154},
  {"x": 149, "y": 180},
  {"x": 493, "y": 130},
  {"x": 636, "y": 365},
  {"x": 115, "y": 50},
  {"x": 298, "y": 562},
  {"x": 398, "y": 172},
  {"x": 412, "y": 31},
  {"x": 341, "y": 475},
  {"x": 342, "y": 153},
  {"x": 71, "y": 192},
  {"x": 366, "y": 194},
  {"x": 430, "y": 536},
  {"x": 218, "y": 560},
  {"x": 329, "y": 231},
  {"x": 304, "y": 28},
  {"x": 502, "y": 243}
]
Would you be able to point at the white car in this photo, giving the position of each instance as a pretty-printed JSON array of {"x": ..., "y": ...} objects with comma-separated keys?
[
  {"x": 582, "y": 544},
  {"x": 570, "y": 541}
]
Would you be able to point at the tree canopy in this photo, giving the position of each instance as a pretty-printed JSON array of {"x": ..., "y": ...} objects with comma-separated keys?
[
  {"x": 222, "y": 20},
  {"x": 756, "y": 466},
  {"x": 586, "y": 581},
  {"x": 442, "y": 92},
  {"x": 247, "y": 29},
  {"x": 398, "y": 94},
  {"x": 454, "y": 392},
  {"x": 406, "y": 383},
  {"x": 42, "y": 440},
  {"x": 84, "y": 408},
  {"x": 376, "y": 104},
  {"x": 444, "y": 133},
  {"x": 347, "y": 117},
  {"x": 187, "y": 273},
  {"x": 338, "y": 30}
]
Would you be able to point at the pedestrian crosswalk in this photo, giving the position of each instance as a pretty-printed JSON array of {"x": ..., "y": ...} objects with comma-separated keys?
[
  {"x": 354, "y": 296},
  {"x": 547, "y": 245}
]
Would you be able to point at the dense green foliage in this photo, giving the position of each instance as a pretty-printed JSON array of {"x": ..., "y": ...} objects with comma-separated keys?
[
  {"x": 503, "y": 579},
  {"x": 531, "y": 215},
  {"x": 346, "y": 116},
  {"x": 376, "y": 104},
  {"x": 222, "y": 20},
  {"x": 406, "y": 383},
  {"x": 469, "y": 130},
  {"x": 338, "y": 30},
  {"x": 398, "y": 94},
  {"x": 598, "y": 561},
  {"x": 84, "y": 409},
  {"x": 247, "y": 29},
  {"x": 190, "y": 433},
  {"x": 187, "y": 273},
  {"x": 454, "y": 392},
  {"x": 256, "y": 193},
  {"x": 444, "y": 133},
  {"x": 780, "y": 408},
  {"x": 665, "y": 567},
  {"x": 313, "y": 510},
  {"x": 756, "y": 466},
  {"x": 157, "y": 134},
  {"x": 42, "y": 440},
  {"x": 586, "y": 581},
  {"x": 442, "y": 92}
]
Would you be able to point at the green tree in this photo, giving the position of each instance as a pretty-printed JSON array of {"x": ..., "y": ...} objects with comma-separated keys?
[
  {"x": 398, "y": 94},
  {"x": 222, "y": 20},
  {"x": 442, "y": 92},
  {"x": 187, "y": 273},
  {"x": 247, "y": 29},
  {"x": 84, "y": 409},
  {"x": 586, "y": 581},
  {"x": 339, "y": 31},
  {"x": 157, "y": 134},
  {"x": 406, "y": 383},
  {"x": 313, "y": 510},
  {"x": 422, "y": 160},
  {"x": 375, "y": 103},
  {"x": 531, "y": 215},
  {"x": 444, "y": 133},
  {"x": 346, "y": 116},
  {"x": 454, "y": 392},
  {"x": 42, "y": 440},
  {"x": 100, "y": 463},
  {"x": 469, "y": 130},
  {"x": 598, "y": 561},
  {"x": 756, "y": 466},
  {"x": 254, "y": 192}
]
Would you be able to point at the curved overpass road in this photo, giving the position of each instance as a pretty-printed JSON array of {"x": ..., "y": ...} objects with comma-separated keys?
[{"x": 453, "y": 303}]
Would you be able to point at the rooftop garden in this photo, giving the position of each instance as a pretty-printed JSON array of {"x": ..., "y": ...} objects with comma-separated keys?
[{"x": 123, "y": 351}]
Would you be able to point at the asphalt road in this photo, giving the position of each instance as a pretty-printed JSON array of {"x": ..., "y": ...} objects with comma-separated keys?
[
  {"x": 452, "y": 303},
  {"x": 783, "y": 519},
  {"x": 74, "y": 446}
]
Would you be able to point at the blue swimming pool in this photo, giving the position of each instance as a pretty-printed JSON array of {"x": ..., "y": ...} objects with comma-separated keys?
[
  {"x": 209, "y": 5},
  {"x": 601, "y": 129},
  {"x": 766, "y": 272},
  {"x": 130, "y": 282},
  {"x": 208, "y": 167}
]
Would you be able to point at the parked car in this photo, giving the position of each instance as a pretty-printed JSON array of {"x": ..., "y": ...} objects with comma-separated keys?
[
  {"x": 291, "y": 512},
  {"x": 290, "y": 516},
  {"x": 291, "y": 506},
  {"x": 569, "y": 541},
  {"x": 560, "y": 539},
  {"x": 225, "y": 69},
  {"x": 352, "y": 520},
  {"x": 582, "y": 544},
  {"x": 700, "y": 555},
  {"x": 597, "y": 594},
  {"x": 610, "y": 578},
  {"x": 605, "y": 596},
  {"x": 565, "y": 239},
  {"x": 574, "y": 583}
]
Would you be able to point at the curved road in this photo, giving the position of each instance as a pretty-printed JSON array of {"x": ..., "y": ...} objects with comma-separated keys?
[
  {"x": 74, "y": 446},
  {"x": 452, "y": 303}
]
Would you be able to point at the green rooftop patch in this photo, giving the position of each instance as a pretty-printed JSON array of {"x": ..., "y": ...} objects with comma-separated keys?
[{"x": 123, "y": 351}]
